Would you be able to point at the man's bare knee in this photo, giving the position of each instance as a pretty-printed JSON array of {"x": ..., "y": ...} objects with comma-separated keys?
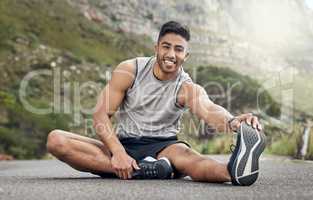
[
  {"x": 176, "y": 150},
  {"x": 182, "y": 157},
  {"x": 56, "y": 143}
]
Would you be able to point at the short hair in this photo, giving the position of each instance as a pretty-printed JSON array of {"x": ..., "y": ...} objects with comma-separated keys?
[{"x": 174, "y": 27}]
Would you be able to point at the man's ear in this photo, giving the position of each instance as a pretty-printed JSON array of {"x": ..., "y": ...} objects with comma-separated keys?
[
  {"x": 155, "y": 49},
  {"x": 187, "y": 56}
]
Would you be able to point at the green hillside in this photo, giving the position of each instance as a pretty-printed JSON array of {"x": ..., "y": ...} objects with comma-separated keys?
[{"x": 36, "y": 35}]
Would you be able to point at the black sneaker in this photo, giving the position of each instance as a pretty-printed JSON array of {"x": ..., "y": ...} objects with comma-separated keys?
[
  {"x": 243, "y": 164},
  {"x": 151, "y": 168}
]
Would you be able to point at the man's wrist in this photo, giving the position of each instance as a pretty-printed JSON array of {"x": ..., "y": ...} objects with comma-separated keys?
[
  {"x": 231, "y": 127},
  {"x": 118, "y": 151}
]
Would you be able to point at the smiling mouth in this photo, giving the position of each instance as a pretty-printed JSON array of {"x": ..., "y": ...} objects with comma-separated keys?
[{"x": 169, "y": 62}]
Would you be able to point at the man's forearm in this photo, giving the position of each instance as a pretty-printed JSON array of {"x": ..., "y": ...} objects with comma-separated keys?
[
  {"x": 218, "y": 117},
  {"x": 104, "y": 129}
]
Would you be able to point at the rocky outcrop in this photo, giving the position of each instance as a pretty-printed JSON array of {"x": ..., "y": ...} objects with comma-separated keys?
[{"x": 244, "y": 34}]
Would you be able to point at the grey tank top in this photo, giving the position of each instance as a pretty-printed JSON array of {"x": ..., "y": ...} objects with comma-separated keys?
[{"x": 150, "y": 105}]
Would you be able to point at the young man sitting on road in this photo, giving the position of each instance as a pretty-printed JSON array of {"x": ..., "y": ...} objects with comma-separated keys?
[{"x": 150, "y": 94}]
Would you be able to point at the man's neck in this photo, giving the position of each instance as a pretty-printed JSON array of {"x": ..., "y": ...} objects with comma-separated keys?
[{"x": 160, "y": 75}]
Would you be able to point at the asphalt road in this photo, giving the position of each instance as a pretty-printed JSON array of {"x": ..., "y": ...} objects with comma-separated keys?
[{"x": 280, "y": 178}]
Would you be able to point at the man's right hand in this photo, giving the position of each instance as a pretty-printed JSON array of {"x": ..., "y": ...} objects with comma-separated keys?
[{"x": 123, "y": 165}]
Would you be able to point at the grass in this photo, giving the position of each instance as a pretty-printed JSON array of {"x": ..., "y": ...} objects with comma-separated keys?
[
  {"x": 24, "y": 134},
  {"x": 288, "y": 144},
  {"x": 285, "y": 146},
  {"x": 57, "y": 24},
  {"x": 220, "y": 144},
  {"x": 310, "y": 149}
]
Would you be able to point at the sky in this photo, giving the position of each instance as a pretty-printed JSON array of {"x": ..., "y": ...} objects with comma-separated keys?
[{"x": 309, "y": 3}]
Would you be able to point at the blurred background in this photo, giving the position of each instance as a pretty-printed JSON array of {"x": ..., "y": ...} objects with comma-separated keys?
[{"x": 249, "y": 55}]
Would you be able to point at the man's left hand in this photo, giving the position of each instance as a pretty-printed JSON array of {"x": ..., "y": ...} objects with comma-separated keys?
[{"x": 249, "y": 118}]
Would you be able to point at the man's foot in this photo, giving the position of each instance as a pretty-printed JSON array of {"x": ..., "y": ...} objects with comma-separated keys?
[
  {"x": 151, "y": 168},
  {"x": 243, "y": 165}
]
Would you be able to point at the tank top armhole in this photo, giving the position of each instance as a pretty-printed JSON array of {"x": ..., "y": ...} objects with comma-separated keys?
[
  {"x": 179, "y": 84},
  {"x": 139, "y": 67},
  {"x": 136, "y": 72}
]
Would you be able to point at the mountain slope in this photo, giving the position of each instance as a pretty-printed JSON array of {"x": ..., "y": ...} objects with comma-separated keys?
[
  {"x": 66, "y": 53},
  {"x": 264, "y": 39}
]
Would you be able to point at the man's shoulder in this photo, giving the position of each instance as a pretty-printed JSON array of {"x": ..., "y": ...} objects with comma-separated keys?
[
  {"x": 189, "y": 91},
  {"x": 125, "y": 72},
  {"x": 187, "y": 87},
  {"x": 123, "y": 75},
  {"x": 131, "y": 64},
  {"x": 126, "y": 65},
  {"x": 184, "y": 92}
]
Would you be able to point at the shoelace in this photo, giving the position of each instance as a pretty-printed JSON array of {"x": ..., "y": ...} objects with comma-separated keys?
[{"x": 232, "y": 148}]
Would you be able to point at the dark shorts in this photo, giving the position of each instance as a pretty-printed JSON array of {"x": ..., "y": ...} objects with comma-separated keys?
[{"x": 141, "y": 147}]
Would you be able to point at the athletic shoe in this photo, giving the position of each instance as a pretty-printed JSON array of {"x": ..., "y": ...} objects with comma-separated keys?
[
  {"x": 243, "y": 165},
  {"x": 151, "y": 168}
]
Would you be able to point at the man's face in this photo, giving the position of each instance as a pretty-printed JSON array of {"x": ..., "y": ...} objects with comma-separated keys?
[{"x": 171, "y": 52}]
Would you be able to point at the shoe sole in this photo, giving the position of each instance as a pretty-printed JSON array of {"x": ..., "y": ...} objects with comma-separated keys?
[{"x": 246, "y": 165}]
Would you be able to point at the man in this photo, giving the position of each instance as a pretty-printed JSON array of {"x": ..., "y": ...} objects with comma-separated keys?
[{"x": 150, "y": 95}]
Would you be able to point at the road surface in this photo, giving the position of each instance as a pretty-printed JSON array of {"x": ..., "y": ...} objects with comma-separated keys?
[{"x": 280, "y": 178}]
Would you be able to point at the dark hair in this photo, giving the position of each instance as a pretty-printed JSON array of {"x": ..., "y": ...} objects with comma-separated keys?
[{"x": 174, "y": 27}]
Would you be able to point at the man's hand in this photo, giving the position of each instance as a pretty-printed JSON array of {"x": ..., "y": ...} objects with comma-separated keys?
[
  {"x": 123, "y": 165},
  {"x": 253, "y": 121}
]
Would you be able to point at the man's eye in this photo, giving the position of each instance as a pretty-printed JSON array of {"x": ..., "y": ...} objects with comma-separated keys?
[
  {"x": 179, "y": 49},
  {"x": 166, "y": 47}
]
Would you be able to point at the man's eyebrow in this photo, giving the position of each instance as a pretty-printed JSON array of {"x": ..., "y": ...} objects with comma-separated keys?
[
  {"x": 167, "y": 43},
  {"x": 180, "y": 46}
]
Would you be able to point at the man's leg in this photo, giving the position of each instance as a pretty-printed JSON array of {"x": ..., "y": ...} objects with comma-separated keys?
[
  {"x": 82, "y": 153},
  {"x": 195, "y": 165}
]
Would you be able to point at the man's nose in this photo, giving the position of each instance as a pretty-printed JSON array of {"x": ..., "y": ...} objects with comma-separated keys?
[{"x": 171, "y": 53}]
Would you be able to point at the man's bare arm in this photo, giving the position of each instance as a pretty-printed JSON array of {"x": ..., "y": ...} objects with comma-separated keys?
[
  {"x": 195, "y": 97},
  {"x": 108, "y": 102}
]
